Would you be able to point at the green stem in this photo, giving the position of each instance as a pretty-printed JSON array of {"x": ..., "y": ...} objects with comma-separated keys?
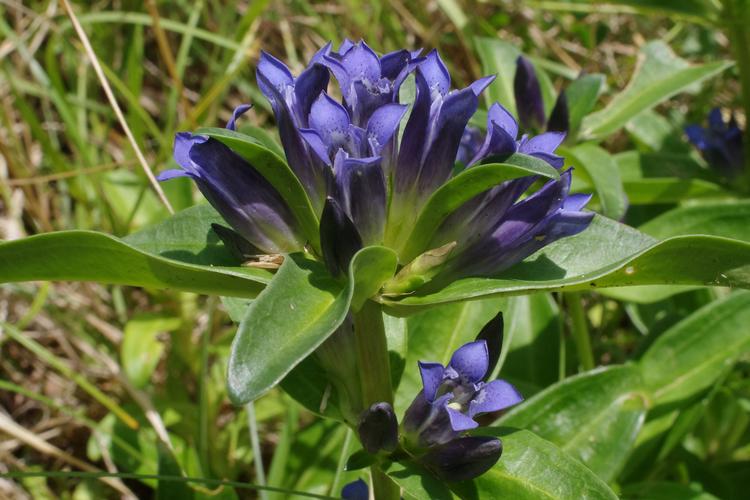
[
  {"x": 736, "y": 16},
  {"x": 580, "y": 330},
  {"x": 372, "y": 354},
  {"x": 375, "y": 379}
]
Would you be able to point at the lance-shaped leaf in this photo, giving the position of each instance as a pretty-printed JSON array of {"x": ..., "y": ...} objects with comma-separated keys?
[
  {"x": 181, "y": 253},
  {"x": 607, "y": 254},
  {"x": 595, "y": 417},
  {"x": 529, "y": 469},
  {"x": 690, "y": 356},
  {"x": 601, "y": 169},
  {"x": 659, "y": 75},
  {"x": 299, "y": 310}
]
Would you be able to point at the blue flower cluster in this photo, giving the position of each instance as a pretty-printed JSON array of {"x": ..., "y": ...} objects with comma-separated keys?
[
  {"x": 367, "y": 177},
  {"x": 720, "y": 143},
  {"x": 434, "y": 427}
]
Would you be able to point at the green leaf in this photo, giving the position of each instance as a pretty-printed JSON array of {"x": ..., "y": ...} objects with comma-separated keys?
[
  {"x": 499, "y": 58},
  {"x": 530, "y": 468},
  {"x": 141, "y": 347},
  {"x": 690, "y": 356},
  {"x": 607, "y": 254},
  {"x": 582, "y": 95},
  {"x": 463, "y": 187},
  {"x": 186, "y": 236},
  {"x": 91, "y": 256},
  {"x": 532, "y": 338},
  {"x": 298, "y": 310},
  {"x": 662, "y": 490},
  {"x": 533, "y": 468},
  {"x": 276, "y": 171},
  {"x": 435, "y": 334},
  {"x": 601, "y": 169},
  {"x": 595, "y": 417},
  {"x": 659, "y": 75},
  {"x": 729, "y": 219},
  {"x": 694, "y": 10},
  {"x": 373, "y": 267}
]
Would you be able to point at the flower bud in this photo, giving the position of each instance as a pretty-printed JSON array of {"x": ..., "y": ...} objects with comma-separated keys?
[
  {"x": 378, "y": 428},
  {"x": 339, "y": 238},
  {"x": 492, "y": 334},
  {"x": 528, "y": 95},
  {"x": 463, "y": 458},
  {"x": 559, "y": 119}
]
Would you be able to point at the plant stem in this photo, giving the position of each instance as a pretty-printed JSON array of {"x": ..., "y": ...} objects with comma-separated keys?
[
  {"x": 372, "y": 355},
  {"x": 735, "y": 17},
  {"x": 260, "y": 476},
  {"x": 375, "y": 379},
  {"x": 580, "y": 330}
]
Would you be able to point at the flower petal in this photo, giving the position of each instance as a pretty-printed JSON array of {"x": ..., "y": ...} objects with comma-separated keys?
[
  {"x": 444, "y": 139},
  {"x": 275, "y": 73},
  {"x": 384, "y": 122},
  {"x": 471, "y": 361},
  {"x": 481, "y": 84},
  {"x": 459, "y": 421},
  {"x": 238, "y": 111},
  {"x": 330, "y": 120},
  {"x": 172, "y": 174},
  {"x": 432, "y": 377},
  {"x": 494, "y": 396},
  {"x": 361, "y": 62},
  {"x": 356, "y": 490},
  {"x": 502, "y": 117},
  {"x": 315, "y": 142},
  {"x": 307, "y": 88},
  {"x": 463, "y": 458},
  {"x": 435, "y": 73}
]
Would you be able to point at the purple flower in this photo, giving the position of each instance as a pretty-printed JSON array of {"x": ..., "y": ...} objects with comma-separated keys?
[
  {"x": 720, "y": 143},
  {"x": 498, "y": 229},
  {"x": 453, "y": 395},
  {"x": 367, "y": 81},
  {"x": 245, "y": 199},
  {"x": 292, "y": 100},
  {"x": 367, "y": 184}
]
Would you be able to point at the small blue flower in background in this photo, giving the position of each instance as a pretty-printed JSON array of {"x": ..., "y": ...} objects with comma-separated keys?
[
  {"x": 356, "y": 490},
  {"x": 720, "y": 143}
]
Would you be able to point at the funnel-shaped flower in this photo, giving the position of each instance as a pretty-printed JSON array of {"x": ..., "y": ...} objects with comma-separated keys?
[
  {"x": 720, "y": 143},
  {"x": 245, "y": 199},
  {"x": 292, "y": 99}
]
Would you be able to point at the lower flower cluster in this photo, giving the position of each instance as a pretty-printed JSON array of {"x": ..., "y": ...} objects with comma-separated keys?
[{"x": 433, "y": 431}]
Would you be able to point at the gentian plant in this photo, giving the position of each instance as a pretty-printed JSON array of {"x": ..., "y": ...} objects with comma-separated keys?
[
  {"x": 365, "y": 182},
  {"x": 366, "y": 258}
]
